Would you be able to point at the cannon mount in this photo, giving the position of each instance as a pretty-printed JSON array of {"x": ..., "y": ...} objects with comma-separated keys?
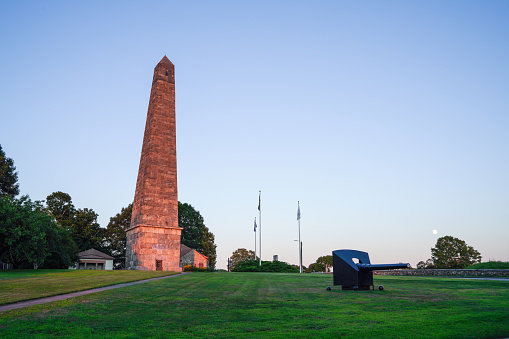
[{"x": 357, "y": 276}]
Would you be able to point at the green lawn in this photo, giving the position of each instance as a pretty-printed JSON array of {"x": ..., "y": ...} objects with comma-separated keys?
[
  {"x": 252, "y": 305},
  {"x": 18, "y": 285}
]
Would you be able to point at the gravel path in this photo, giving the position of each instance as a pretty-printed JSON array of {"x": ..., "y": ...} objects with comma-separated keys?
[{"x": 27, "y": 303}]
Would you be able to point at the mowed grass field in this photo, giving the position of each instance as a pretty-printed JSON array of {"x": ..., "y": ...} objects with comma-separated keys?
[
  {"x": 19, "y": 285},
  {"x": 265, "y": 305}
]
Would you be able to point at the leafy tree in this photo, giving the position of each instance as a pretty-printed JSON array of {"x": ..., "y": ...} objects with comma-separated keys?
[
  {"x": 115, "y": 236},
  {"x": 311, "y": 269},
  {"x": 29, "y": 235},
  {"x": 86, "y": 231},
  {"x": 22, "y": 232},
  {"x": 195, "y": 234},
  {"x": 240, "y": 255},
  {"x": 450, "y": 252},
  {"x": 209, "y": 247},
  {"x": 428, "y": 264},
  {"x": 63, "y": 250},
  {"x": 192, "y": 225},
  {"x": 325, "y": 262},
  {"x": 81, "y": 223},
  {"x": 61, "y": 208},
  {"x": 322, "y": 264},
  {"x": 8, "y": 178}
]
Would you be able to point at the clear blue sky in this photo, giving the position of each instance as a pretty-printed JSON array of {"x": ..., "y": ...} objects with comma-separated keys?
[{"x": 385, "y": 119}]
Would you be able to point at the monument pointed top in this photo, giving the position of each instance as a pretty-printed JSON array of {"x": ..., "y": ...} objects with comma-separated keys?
[
  {"x": 164, "y": 71},
  {"x": 166, "y": 61}
]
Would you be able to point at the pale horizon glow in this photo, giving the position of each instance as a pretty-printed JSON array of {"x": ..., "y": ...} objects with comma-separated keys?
[{"x": 381, "y": 118}]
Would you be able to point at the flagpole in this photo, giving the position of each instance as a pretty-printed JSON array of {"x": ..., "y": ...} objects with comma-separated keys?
[
  {"x": 301, "y": 257},
  {"x": 300, "y": 243},
  {"x": 255, "y": 236},
  {"x": 260, "y": 221}
]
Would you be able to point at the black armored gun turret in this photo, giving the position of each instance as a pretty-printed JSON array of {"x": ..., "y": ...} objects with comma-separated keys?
[{"x": 357, "y": 276}]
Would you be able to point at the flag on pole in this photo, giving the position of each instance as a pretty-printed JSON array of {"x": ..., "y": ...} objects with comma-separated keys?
[
  {"x": 259, "y": 201},
  {"x": 298, "y": 212},
  {"x": 255, "y": 225}
]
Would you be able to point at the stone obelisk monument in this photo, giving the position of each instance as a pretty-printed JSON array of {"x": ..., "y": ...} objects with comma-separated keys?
[{"x": 153, "y": 238}]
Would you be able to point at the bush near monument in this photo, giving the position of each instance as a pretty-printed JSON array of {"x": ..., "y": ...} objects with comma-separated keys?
[
  {"x": 267, "y": 266},
  {"x": 191, "y": 268}
]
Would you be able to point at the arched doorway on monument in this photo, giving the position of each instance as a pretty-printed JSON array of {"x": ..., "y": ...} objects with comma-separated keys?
[{"x": 159, "y": 265}]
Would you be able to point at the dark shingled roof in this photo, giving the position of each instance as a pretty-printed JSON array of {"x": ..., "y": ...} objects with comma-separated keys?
[
  {"x": 184, "y": 249},
  {"x": 94, "y": 254}
]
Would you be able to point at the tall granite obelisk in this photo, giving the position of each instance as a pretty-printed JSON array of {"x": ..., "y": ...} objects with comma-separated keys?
[{"x": 153, "y": 239}]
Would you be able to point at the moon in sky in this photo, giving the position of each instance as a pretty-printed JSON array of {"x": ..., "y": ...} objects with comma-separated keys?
[{"x": 435, "y": 231}]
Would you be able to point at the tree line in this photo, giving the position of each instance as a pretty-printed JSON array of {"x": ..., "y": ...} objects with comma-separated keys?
[
  {"x": 449, "y": 253},
  {"x": 50, "y": 235}
]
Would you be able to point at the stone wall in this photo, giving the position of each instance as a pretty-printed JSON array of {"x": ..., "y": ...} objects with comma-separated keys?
[{"x": 446, "y": 273}]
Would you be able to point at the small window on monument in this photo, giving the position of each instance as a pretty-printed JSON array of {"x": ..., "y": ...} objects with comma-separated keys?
[{"x": 166, "y": 73}]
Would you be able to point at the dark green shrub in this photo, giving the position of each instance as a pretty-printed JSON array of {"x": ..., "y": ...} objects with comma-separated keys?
[
  {"x": 267, "y": 266},
  {"x": 490, "y": 265},
  {"x": 190, "y": 268}
]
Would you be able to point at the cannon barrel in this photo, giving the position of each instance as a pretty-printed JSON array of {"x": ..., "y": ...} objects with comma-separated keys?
[{"x": 381, "y": 267}]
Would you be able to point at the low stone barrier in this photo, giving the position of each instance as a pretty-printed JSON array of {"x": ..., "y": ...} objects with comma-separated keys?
[{"x": 446, "y": 272}]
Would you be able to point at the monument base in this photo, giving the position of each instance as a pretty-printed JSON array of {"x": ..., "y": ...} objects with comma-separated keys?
[{"x": 153, "y": 248}]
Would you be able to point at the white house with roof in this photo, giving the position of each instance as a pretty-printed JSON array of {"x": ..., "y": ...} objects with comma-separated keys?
[{"x": 94, "y": 260}]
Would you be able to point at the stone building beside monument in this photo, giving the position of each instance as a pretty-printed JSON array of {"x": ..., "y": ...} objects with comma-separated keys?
[
  {"x": 153, "y": 238},
  {"x": 189, "y": 256}
]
